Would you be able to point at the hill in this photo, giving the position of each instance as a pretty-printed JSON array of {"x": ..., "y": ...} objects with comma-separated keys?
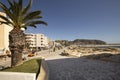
[{"x": 81, "y": 42}]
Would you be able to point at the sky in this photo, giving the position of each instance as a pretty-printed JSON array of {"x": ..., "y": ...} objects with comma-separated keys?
[{"x": 78, "y": 19}]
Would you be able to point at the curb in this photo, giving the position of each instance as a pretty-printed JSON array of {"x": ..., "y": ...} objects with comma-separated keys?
[{"x": 44, "y": 71}]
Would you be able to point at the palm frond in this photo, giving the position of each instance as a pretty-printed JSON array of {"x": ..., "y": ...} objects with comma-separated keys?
[
  {"x": 32, "y": 15},
  {"x": 16, "y": 9},
  {"x": 2, "y": 22},
  {"x": 10, "y": 3},
  {"x": 33, "y": 23},
  {"x": 26, "y": 10},
  {"x": 7, "y": 11},
  {"x": 5, "y": 20},
  {"x": 20, "y": 4}
]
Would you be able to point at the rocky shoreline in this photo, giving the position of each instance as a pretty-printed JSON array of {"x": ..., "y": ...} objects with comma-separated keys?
[{"x": 105, "y": 53}]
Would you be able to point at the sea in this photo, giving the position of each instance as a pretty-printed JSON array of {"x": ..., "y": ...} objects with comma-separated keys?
[
  {"x": 109, "y": 46},
  {"x": 115, "y": 46}
]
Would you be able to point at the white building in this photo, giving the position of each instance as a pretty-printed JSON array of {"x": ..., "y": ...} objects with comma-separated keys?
[
  {"x": 37, "y": 40},
  {"x": 4, "y": 35}
]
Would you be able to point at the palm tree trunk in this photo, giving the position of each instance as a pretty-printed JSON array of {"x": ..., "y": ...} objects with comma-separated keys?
[{"x": 17, "y": 42}]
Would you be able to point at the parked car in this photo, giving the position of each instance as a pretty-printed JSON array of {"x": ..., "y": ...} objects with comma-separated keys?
[{"x": 31, "y": 54}]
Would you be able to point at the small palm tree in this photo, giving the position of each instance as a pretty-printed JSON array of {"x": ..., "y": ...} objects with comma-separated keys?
[{"x": 19, "y": 17}]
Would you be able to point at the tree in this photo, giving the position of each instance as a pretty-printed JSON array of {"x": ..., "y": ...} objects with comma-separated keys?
[{"x": 19, "y": 16}]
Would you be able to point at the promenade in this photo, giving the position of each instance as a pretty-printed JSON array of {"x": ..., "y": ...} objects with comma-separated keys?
[
  {"x": 74, "y": 68},
  {"x": 71, "y": 68}
]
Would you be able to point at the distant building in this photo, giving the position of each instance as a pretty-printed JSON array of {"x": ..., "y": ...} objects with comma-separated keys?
[
  {"x": 4, "y": 35},
  {"x": 37, "y": 40}
]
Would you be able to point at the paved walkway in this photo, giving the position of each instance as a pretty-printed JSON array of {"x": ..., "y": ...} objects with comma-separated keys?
[
  {"x": 66, "y": 68},
  {"x": 52, "y": 55}
]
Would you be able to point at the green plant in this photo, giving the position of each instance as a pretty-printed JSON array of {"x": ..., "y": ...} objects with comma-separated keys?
[{"x": 31, "y": 66}]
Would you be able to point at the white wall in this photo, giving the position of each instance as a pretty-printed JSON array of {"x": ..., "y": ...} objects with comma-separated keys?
[
  {"x": 7, "y": 29},
  {"x": 17, "y": 76},
  {"x": 4, "y": 35}
]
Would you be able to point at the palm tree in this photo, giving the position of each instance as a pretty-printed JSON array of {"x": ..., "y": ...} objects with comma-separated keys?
[{"x": 19, "y": 16}]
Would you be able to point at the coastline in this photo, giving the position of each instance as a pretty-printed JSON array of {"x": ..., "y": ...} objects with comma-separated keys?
[{"x": 110, "y": 54}]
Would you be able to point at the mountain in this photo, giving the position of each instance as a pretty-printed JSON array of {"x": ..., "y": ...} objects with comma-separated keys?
[{"x": 81, "y": 42}]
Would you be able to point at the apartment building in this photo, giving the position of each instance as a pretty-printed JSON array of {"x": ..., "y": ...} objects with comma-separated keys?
[
  {"x": 37, "y": 40},
  {"x": 4, "y": 35}
]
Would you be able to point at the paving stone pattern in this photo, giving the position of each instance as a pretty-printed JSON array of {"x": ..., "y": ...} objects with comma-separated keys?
[{"x": 82, "y": 69}]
